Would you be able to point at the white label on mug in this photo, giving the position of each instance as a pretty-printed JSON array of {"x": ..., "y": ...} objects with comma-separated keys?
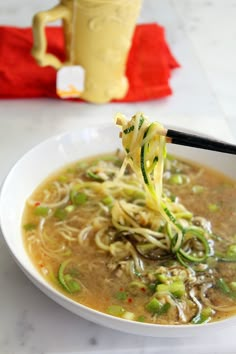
[{"x": 70, "y": 81}]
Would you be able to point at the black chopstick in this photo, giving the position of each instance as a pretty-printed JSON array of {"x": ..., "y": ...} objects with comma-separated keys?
[{"x": 192, "y": 140}]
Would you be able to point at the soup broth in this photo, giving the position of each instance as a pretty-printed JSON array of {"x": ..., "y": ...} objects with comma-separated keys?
[{"x": 91, "y": 234}]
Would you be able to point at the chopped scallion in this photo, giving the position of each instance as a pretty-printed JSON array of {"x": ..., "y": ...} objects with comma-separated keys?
[
  {"x": 213, "y": 207},
  {"x": 141, "y": 318},
  {"x": 233, "y": 285},
  {"x": 164, "y": 309},
  {"x": 162, "y": 288},
  {"x": 60, "y": 214},
  {"x": 162, "y": 278},
  {"x": 129, "y": 315},
  {"x": 41, "y": 211},
  {"x": 197, "y": 189},
  {"x": 153, "y": 306},
  {"x": 203, "y": 317},
  {"x": 176, "y": 288},
  {"x": 152, "y": 286},
  {"x": 121, "y": 295},
  {"x": 116, "y": 310},
  {"x": 157, "y": 308},
  {"x": 231, "y": 251},
  {"x": 78, "y": 198},
  {"x": 70, "y": 208},
  {"x": 108, "y": 200},
  {"x": 176, "y": 179},
  {"x": 29, "y": 227},
  {"x": 63, "y": 178}
]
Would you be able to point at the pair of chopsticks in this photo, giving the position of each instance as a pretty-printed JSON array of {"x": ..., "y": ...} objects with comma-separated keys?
[{"x": 196, "y": 141}]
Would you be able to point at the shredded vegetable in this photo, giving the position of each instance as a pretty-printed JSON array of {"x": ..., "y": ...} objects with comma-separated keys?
[{"x": 145, "y": 148}]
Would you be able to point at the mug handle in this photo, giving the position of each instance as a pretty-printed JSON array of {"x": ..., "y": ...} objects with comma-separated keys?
[{"x": 39, "y": 37}]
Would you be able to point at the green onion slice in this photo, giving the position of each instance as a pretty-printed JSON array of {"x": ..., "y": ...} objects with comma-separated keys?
[{"x": 67, "y": 280}]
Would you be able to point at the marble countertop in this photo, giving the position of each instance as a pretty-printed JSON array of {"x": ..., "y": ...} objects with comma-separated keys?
[{"x": 201, "y": 34}]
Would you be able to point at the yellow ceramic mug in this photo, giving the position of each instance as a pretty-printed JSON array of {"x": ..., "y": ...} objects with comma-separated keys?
[{"x": 98, "y": 36}]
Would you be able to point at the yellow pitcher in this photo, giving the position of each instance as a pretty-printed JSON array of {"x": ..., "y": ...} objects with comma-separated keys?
[{"x": 98, "y": 36}]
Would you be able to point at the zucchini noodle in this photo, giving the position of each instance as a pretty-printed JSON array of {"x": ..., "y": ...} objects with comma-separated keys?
[{"x": 145, "y": 148}]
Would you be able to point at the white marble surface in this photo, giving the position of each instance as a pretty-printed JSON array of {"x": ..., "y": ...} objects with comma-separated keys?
[{"x": 202, "y": 36}]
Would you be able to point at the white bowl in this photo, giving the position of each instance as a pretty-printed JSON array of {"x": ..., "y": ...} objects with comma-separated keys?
[{"x": 52, "y": 154}]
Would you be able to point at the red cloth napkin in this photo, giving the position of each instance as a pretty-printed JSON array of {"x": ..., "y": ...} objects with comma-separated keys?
[{"x": 148, "y": 68}]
